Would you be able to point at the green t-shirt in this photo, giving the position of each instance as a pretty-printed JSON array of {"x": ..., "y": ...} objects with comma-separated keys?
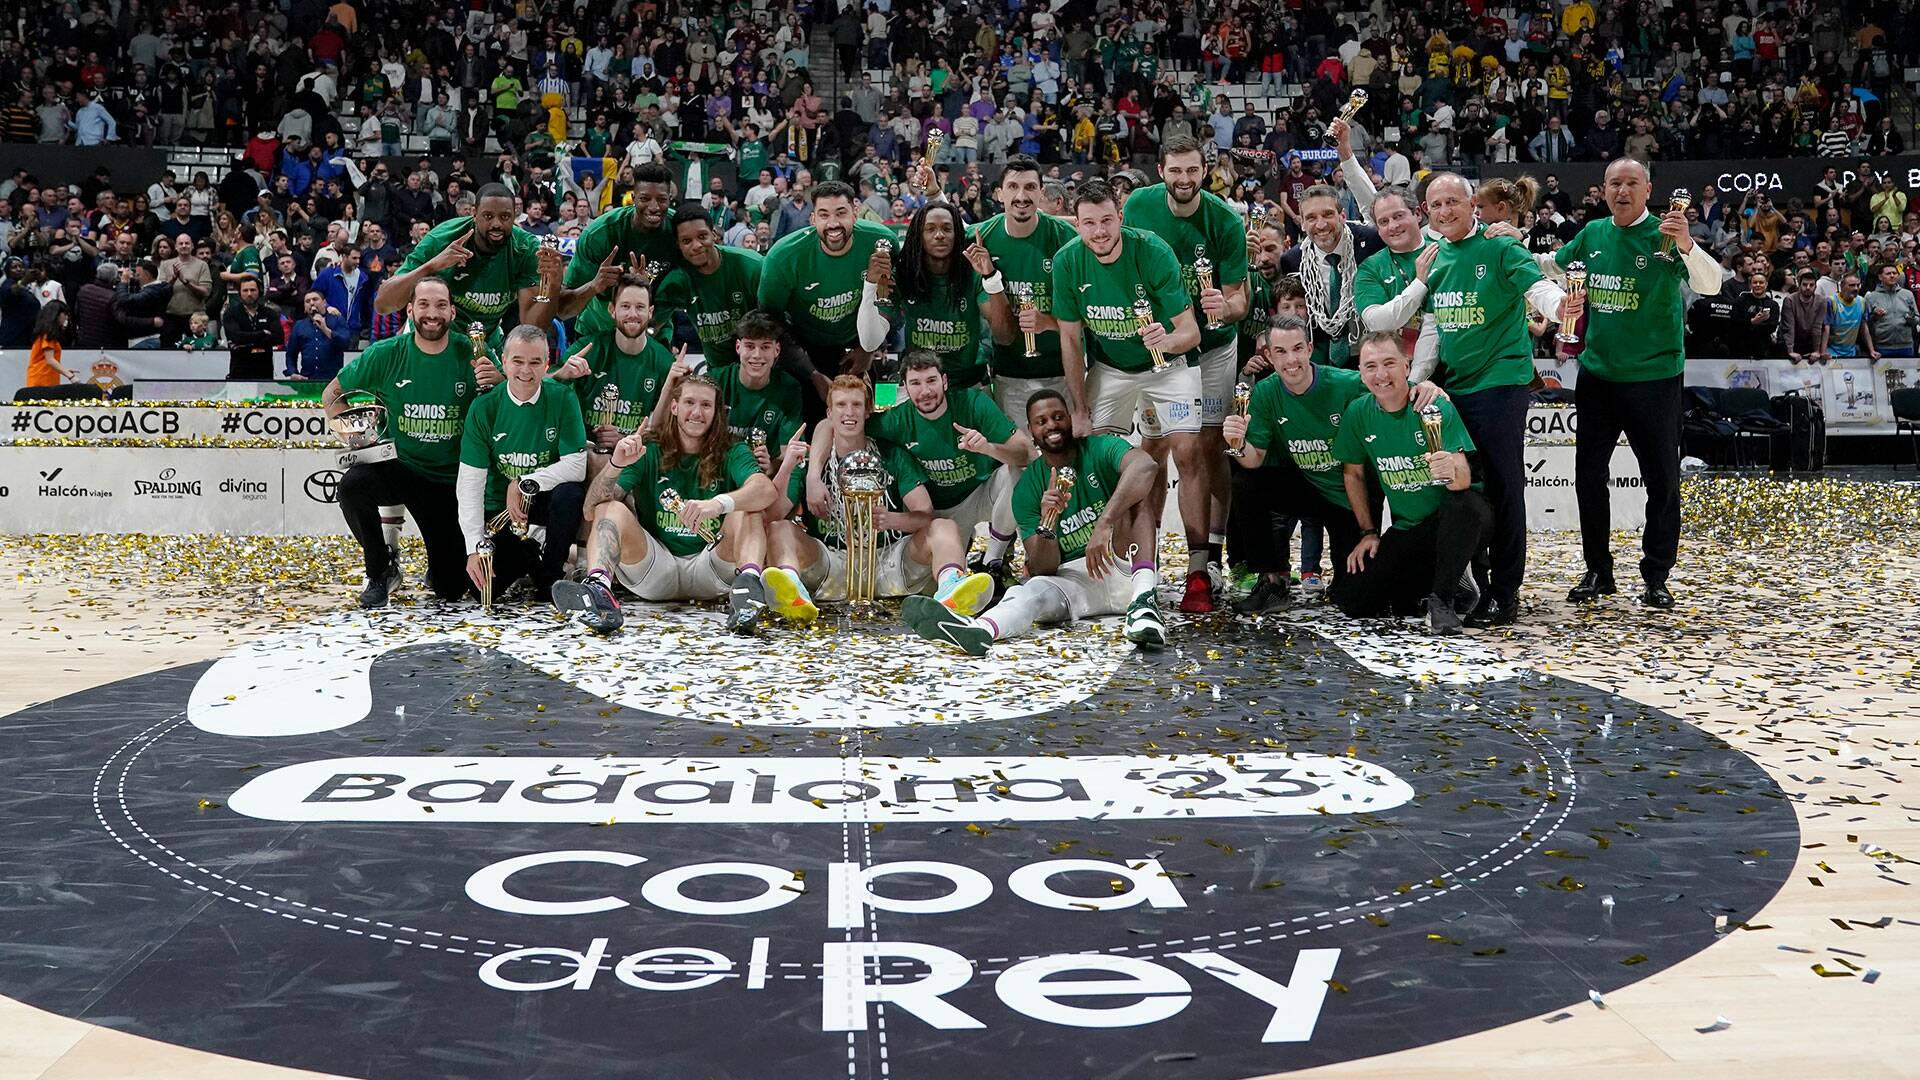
[
  {"x": 246, "y": 261},
  {"x": 1096, "y": 467},
  {"x": 903, "y": 478},
  {"x": 617, "y": 232},
  {"x": 819, "y": 294},
  {"x": 620, "y": 389},
  {"x": 751, "y": 158},
  {"x": 1382, "y": 276},
  {"x": 954, "y": 328},
  {"x": 510, "y": 439},
  {"x": 1100, "y": 296},
  {"x": 1259, "y": 315},
  {"x": 646, "y": 481},
  {"x": 1027, "y": 264},
  {"x": 1636, "y": 319},
  {"x": 1212, "y": 232},
  {"x": 426, "y": 397},
  {"x": 952, "y": 474},
  {"x": 1392, "y": 445},
  {"x": 488, "y": 286},
  {"x": 1306, "y": 425},
  {"x": 773, "y": 410},
  {"x": 1477, "y": 292},
  {"x": 715, "y": 302}
]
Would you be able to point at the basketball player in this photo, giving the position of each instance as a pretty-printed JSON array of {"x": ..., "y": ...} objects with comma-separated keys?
[
  {"x": 764, "y": 406},
  {"x": 1198, "y": 224},
  {"x": 951, "y": 303},
  {"x": 639, "y": 237},
  {"x": 426, "y": 379},
  {"x": 1088, "y": 545},
  {"x": 1023, "y": 242},
  {"x": 716, "y": 286},
  {"x": 488, "y": 262},
  {"x": 1108, "y": 357},
  {"x": 653, "y": 515},
  {"x": 917, "y": 549},
  {"x": 523, "y": 451},
  {"x": 1439, "y": 513},
  {"x": 814, "y": 280},
  {"x": 625, "y": 372}
]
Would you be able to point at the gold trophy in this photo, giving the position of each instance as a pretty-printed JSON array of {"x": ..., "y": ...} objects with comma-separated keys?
[
  {"x": 477, "y": 334},
  {"x": 862, "y": 484},
  {"x": 1256, "y": 218},
  {"x": 883, "y": 288},
  {"x": 542, "y": 293},
  {"x": 1023, "y": 302},
  {"x": 934, "y": 139},
  {"x": 1203, "y": 275},
  {"x": 1355, "y": 102},
  {"x": 799, "y": 147},
  {"x": 757, "y": 440},
  {"x": 484, "y": 550},
  {"x": 1143, "y": 318},
  {"x": 1576, "y": 286},
  {"x": 671, "y": 502},
  {"x": 1242, "y": 397},
  {"x": 1430, "y": 423},
  {"x": 1062, "y": 481},
  {"x": 1679, "y": 200}
]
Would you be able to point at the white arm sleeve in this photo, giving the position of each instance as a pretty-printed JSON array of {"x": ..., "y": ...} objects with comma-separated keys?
[
  {"x": 1703, "y": 272},
  {"x": 1398, "y": 311},
  {"x": 1546, "y": 298},
  {"x": 1426, "y": 352},
  {"x": 870, "y": 322},
  {"x": 1361, "y": 185},
  {"x": 567, "y": 470},
  {"x": 470, "y": 488},
  {"x": 1551, "y": 268}
]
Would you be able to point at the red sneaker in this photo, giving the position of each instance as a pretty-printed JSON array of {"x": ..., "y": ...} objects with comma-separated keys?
[{"x": 1199, "y": 597}]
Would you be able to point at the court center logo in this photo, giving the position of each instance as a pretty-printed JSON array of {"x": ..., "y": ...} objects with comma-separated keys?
[{"x": 865, "y": 856}]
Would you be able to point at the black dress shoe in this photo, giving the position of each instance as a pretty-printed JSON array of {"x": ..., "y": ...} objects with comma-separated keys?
[
  {"x": 1657, "y": 596},
  {"x": 1594, "y": 584},
  {"x": 1494, "y": 611}
]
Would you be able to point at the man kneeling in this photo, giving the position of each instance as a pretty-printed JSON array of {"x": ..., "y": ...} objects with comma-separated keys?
[
  {"x": 1072, "y": 523},
  {"x": 1439, "y": 514},
  {"x": 653, "y": 518},
  {"x": 911, "y": 543}
]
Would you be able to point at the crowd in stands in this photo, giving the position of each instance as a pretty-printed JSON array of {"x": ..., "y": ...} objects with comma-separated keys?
[{"x": 357, "y": 125}]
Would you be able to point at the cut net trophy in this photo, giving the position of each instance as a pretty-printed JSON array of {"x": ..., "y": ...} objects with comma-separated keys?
[
  {"x": 1431, "y": 423},
  {"x": 862, "y": 485}
]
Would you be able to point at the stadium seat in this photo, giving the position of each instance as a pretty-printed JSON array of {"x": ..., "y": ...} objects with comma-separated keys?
[{"x": 1906, "y": 417}]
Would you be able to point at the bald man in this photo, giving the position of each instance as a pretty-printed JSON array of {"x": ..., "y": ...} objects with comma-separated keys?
[
  {"x": 1478, "y": 291},
  {"x": 1631, "y": 364}
]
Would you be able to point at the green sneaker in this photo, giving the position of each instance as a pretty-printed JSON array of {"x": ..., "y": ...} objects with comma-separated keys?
[
  {"x": 1143, "y": 623},
  {"x": 933, "y": 621}
]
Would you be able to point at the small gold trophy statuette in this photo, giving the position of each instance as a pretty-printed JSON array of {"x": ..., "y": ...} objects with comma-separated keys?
[
  {"x": 1576, "y": 286},
  {"x": 543, "y": 288},
  {"x": 1679, "y": 200},
  {"x": 884, "y": 287},
  {"x": 1355, "y": 102},
  {"x": 1430, "y": 422},
  {"x": 484, "y": 550},
  {"x": 671, "y": 502},
  {"x": 1242, "y": 397},
  {"x": 1203, "y": 274},
  {"x": 1143, "y": 318},
  {"x": 1023, "y": 299},
  {"x": 1061, "y": 481}
]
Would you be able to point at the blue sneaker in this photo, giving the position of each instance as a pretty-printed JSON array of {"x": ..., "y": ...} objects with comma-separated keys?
[{"x": 966, "y": 594}]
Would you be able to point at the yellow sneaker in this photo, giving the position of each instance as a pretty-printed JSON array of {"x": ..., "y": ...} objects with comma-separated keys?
[
  {"x": 789, "y": 596},
  {"x": 967, "y": 594}
]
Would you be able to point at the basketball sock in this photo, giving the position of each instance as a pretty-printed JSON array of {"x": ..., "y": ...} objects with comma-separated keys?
[
  {"x": 1145, "y": 579},
  {"x": 1216, "y": 546},
  {"x": 1197, "y": 559},
  {"x": 997, "y": 545},
  {"x": 602, "y": 575},
  {"x": 750, "y": 568}
]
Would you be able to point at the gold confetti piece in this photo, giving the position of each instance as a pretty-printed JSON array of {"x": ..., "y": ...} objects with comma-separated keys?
[
  {"x": 1758, "y": 853},
  {"x": 1636, "y": 958},
  {"x": 209, "y": 804},
  {"x": 1821, "y": 970},
  {"x": 1378, "y": 919},
  {"x": 1444, "y": 939},
  {"x": 978, "y": 830},
  {"x": 1338, "y": 986},
  {"x": 1492, "y": 950}
]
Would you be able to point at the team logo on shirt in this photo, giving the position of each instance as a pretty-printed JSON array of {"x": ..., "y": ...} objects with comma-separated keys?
[
  {"x": 1640, "y": 261},
  {"x": 1480, "y": 271},
  {"x": 553, "y": 435}
]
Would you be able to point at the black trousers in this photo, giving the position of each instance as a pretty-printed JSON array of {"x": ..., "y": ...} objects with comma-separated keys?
[
  {"x": 1649, "y": 415},
  {"x": 435, "y": 511},
  {"x": 515, "y": 557},
  {"x": 828, "y": 360},
  {"x": 1267, "y": 503},
  {"x": 1497, "y": 419},
  {"x": 1413, "y": 564}
]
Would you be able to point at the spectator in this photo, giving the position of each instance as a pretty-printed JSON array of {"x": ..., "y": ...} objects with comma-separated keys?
[
  {"x": 1892, "y": 313},
  {"x": 317, "y": 342},
  {"x": 50, "y": 328},
  {"x": 252, "y": 331},
  {"x": 192, "y": 282},
  {"x": 140, "y": 305},
  {"x": 92, "y": 124},
  {"x": 1756, "y": 318},
  {"x": 94, "y": 324}
]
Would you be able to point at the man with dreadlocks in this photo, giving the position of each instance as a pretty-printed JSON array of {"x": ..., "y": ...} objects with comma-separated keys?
[
  {"x": 654, "y": 511},
  {"x": 949, "y": 300},
  {"x": 1328, "y": 261}
]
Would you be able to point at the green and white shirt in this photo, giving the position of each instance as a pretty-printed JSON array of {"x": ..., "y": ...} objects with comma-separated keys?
[
  {"x": 426, "y": 396},
  {"x": 1636, "y": 319},
  {"x": 617, "y": 232},
  {"x": 1096, "y": 466},
  {"x": 1026, "y": 262},
  {"x": 1393, "y": 446},
  {"x": 487, "y": 286},
  {"x": 1100, "y": 296},
  {"x": 903, "y": 479},
  {"x": 646, "y": 480},
  {"x": 819, "y": 294},
  {"x": 1477, "y": 292},
  {"x": 774, "y": 409},
  {"x": 715, "y": 302},
  {"x": 952, "y": 473},
  {"x": 1213, "y": 232},
  {"x": 954, "y": 328},
  {"x": 1306, "y": 425},
  {"x": 620, "y": 389},
  {"x": 511, "y": 438}
]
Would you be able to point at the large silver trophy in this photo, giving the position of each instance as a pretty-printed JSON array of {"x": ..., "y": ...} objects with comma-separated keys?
[
  {"x": 862, "y": 486},
  {"x": 362, "y": 429}
]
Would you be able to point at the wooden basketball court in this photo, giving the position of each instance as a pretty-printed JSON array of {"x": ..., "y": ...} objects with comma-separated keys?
[{"x": 1794, "y": 643}]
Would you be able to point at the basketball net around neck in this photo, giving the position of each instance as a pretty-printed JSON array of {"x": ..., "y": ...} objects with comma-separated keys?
[{"x": 1334, "y": 319}]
